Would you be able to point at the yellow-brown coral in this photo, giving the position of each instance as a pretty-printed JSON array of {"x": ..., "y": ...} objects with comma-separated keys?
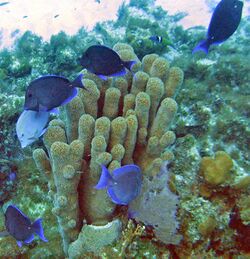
[{"x": 216, "y": 170}]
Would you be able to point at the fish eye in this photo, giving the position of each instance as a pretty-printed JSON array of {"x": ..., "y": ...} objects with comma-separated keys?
[
  {"x": 22, "y": 135},
  {"x": 30, "y": 95}
]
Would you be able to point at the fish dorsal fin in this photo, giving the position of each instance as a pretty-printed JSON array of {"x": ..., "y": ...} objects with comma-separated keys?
[
  {"x": 40, "y": 78},
  {"x": 126, "y": 169}
]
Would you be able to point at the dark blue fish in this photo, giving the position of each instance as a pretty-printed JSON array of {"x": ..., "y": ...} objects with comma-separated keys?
[
  {"x": 156, "y": 38},
  {"x": 48, "y": 92},
  {"x": 224, "y": 22},
  {"x": 104, "y": 62},
  {"x": 25, "y": 16},
  {"x": 124, "y": 185},
  {"x": 20, "y": 227},
  {"x": 56, "y": 15},
  {"x": 4, "y": 3}
]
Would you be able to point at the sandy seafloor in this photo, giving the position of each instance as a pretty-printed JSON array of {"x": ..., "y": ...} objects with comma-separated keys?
[{"x": 49, "y": 17}]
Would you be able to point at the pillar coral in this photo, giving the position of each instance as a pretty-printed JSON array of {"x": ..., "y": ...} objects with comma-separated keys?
[{"x": 119, "y": 121}]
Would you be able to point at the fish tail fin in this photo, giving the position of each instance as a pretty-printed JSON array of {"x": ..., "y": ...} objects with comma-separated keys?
[
  {"x": 129, "y": 64},
  {"x": 78, "y": 82},
  {"x": 38, "y": 229},
  {"x": 104, "y": 179},
  {"x": 202, "y": 46}
]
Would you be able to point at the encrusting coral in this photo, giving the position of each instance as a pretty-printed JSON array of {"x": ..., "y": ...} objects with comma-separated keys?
[
  {"x": 115, "y": 122},
  {"x": 216, "y": 170}
]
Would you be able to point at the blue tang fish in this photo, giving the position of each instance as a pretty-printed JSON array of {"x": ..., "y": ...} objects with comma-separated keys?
[
  {"x": 30, "y": 126},
  {"x": 19, "y": 226},
  {"x": 124, "y": 185},
  {"x": 224, "y": 22},
  {"x": 104, "y": 62},
  {"x": 46, "y": 93}
]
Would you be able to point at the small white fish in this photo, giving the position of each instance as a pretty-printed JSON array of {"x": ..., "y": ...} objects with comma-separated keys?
[{"x": 30, "y": 126}]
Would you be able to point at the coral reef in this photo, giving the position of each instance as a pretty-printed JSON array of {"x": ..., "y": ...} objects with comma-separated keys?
[{"x": 118, "y": 121}]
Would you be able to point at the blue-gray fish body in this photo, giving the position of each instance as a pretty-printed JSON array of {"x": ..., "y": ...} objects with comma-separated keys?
[
  {"x": 224, "y": 22},
  {"x": 20, "y": 226},
  {"x": 104, "y": 62},
  {"x": 30, "y": 126},
  {"x": 49, "y": 92},
  {"x": 124, "y": 185}
]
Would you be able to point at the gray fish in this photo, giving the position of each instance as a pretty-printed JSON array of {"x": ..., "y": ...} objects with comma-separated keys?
[
  {"x": 104, "y": 62},
  {"x": 20, "y": 227},
  {"x": 46, "y": 93},
  {"x": 30, "y": 126},
  {"x": 124, "y": 185},
  {"x": 224, "y": 22}
]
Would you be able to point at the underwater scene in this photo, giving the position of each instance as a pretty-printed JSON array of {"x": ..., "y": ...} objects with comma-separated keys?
[{"x": 125, "y": 129}]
